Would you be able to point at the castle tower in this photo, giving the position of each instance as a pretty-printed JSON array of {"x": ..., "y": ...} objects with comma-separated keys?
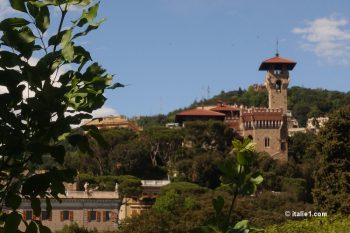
[
  {"x": 277, "y": 80},
  {"x": 268, "y": 126}
]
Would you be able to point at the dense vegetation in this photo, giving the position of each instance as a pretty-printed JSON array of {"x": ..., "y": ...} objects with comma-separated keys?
[
  {"x": 308, "y": 182},
  {"x": 35, "y": 129},
  {"x": 48, "y": 83}
]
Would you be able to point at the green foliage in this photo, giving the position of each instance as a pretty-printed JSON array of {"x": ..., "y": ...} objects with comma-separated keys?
[
  {"x": 298, "y": 144},
  {"x": 75, "y": 228},
  {"x": 40, "y": 104},
  {"x": 332, "y": 178},
  {"x": 178, "y": 196},
  {"x": 128, "y": 186},
  {"x": 209, "y": 136},
  {"x": 183, "y": 188},
  {"x": 295, "y": 186},
  {"x": 167, "y": 202},
  {"x": 240, "y": 181},
  {"x": 205, "y": 169},
  {"x": 147, "y": 121},
  {"x": 164, "y": 144},
  {"x": 334, "y": 224},
  {"x": 191, "y": 211}
]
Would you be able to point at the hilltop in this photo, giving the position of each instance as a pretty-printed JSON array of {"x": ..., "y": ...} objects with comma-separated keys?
[{"x": 303, "y": 102}]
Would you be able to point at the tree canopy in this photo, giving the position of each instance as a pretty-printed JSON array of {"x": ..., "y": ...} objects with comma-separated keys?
[{"x": 48, "y": 84}]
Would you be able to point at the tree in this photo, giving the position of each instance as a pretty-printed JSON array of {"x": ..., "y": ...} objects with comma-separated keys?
[
  {"x": 297, "y": 145},
  {"x": 42, "y": 101},
  {"x": 239, "y": 179},
  {"x": 332, "y": 178},
  {"x": 211, "y": 135},
  {"x": 102, "y": 154},
  {"x": 165, "y": 145}
]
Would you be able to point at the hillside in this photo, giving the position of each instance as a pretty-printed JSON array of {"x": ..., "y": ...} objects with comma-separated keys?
[{"x": 304, "y": 103}]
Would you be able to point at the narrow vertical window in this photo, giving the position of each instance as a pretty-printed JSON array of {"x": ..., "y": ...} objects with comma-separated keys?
[
  {"x": 98, "y": 216},
  {"x": 267, "y": 142},
  {"x": 71, "y": 216},
  {"x": 278, "y": 85}
]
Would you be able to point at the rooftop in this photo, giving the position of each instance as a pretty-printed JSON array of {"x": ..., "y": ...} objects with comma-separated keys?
[
  {"x": 278, "y": 62},
  {"x": 200, "y": 112}
]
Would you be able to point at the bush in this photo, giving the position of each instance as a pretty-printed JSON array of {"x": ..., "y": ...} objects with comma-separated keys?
[
  {"x": 297, "y": 186},
  {"x": 75, "y": 228},
  {"x": 183, "y": 188},
  {"x": 335, "y": 224}
]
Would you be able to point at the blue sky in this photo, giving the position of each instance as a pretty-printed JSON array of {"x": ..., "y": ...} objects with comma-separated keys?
[{"x": 171, "y": 51}]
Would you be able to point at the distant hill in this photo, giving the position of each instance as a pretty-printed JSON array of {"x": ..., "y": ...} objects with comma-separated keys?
[{"x": 304, "y": 103}]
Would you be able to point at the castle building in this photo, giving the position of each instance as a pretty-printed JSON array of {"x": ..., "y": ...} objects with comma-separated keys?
[{"x": 267, "y": 127}]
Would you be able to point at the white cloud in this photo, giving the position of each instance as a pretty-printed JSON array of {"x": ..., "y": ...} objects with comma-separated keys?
[
  {"x": 328, "y": 38},
  {"x": 105, "y": 111}
]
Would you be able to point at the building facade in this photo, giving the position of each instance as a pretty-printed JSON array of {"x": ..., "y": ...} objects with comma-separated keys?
[{"x": 91, "y": 210}]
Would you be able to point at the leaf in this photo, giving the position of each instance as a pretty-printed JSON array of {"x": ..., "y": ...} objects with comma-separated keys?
[
  {"x": 43, "y": 229},
  {"x": 13, "y": 200},
  {"x": 32, "y": 228},
  {"x": 36, "y": 184},
  {"x": 18, "y": 5},
  {"x": 67, "y": 46},
  {"x": 257, "y": 179},
  {"x": 115, "y": 85},
  {"x": 33, "y": 10},
  {"x": 12, "y": 222},
  {"x": 80, "y": 2},
  {"x": 56, "y": 39},
  {"x": 81, "y": 141},
  {"x": 36, "y": 206},
  {"x": 58, "y": 153},
  {"x": 45, "y": 3},
  {"x": 95, "y": 133},
  {"x": 52, "y": 60},
  {"x": 22, "y": 40},
  {"x": 218, "y": 204},
  {"x": 91, "y": 27},
  {"x": 10, "y": 78},
  {"x": 88, "y": 16},
  {"x": 42, "y": 19},
  {"x": 9, "y": 23},
  {"x": 8, "y": 59},
  {"x": 244, "y": 158},
  {"x": 241, "y": 225}
]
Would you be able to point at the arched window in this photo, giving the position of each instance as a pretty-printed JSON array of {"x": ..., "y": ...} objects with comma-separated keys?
[{"x": 267, "y": 142}]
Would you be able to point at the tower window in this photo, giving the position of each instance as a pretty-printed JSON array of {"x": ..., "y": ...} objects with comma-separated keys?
[
  {"x": 278, "y": 85},
  {"x": 267, "y": 142},
  {"x": 283, "y": 146}
]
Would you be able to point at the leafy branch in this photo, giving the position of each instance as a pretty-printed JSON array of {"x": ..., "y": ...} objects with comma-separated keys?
[
  {"x": 241, "y": 181},
  {"x": 33, "y": 127}
]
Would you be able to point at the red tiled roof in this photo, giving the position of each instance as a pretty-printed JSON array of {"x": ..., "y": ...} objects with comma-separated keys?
[
  {"x": 278, "y": 62},
  {"x": 200, "y": 112}
]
